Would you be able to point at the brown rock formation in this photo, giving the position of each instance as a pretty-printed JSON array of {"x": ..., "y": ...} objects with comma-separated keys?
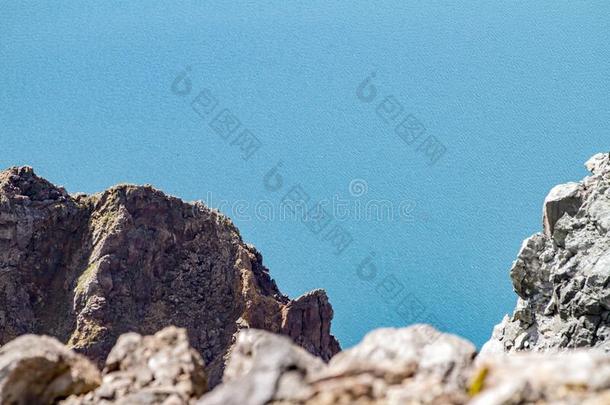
[{"x": 87, "y": 269}]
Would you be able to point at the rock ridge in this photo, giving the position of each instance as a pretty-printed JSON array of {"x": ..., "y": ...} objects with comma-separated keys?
[{"x": 88, "y": 268}]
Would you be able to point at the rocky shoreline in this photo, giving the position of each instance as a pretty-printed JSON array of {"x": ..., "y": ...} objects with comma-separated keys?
[{"x": 151, "y": 300}]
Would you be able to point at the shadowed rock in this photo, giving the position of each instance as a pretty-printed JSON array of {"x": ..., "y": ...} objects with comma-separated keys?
[{"x": 87, "y": 269}]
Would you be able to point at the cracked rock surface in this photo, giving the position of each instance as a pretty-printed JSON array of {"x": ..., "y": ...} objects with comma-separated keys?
[
  {"x": 86, "y": 269},
  {"x": 562, "y": 275}
]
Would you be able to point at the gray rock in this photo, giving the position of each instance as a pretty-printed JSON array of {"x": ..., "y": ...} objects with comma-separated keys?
[
  {"x": 264, "y": 367},
  {"x": 562, "y": 199},
  {"x": 417, "y": 364},
  {"x": 150, "y": 370},
  {"x": 562, "y": 276},
  {"x": 598, "y": 164},
  {"x": 40, "y": 370},
  {"x": 568, "y": 378},
  {"x": 412, "y": 365}
]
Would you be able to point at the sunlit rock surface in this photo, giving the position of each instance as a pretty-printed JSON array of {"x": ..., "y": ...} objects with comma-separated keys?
[{"x": 562, "y": 275}]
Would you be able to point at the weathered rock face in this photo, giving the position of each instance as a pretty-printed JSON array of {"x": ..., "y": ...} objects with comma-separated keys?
[
  {"x": 149, "y": 370},
  {"x": 562, "y": 275},
  {"x": 40, "y": 370},
  {"x": 87, "y": 269}
]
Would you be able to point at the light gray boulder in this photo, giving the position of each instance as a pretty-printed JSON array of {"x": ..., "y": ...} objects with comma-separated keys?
[
  {"x": 575, "y": 377},
  {"x": 41, "y": 370},
  {"x": 264, "y": 367},
  {"x": 562, "y": 199},
  {"x": 417, "y": 364}
]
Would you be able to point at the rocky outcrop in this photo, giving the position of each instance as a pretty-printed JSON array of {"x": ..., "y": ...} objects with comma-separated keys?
[
  {"x": 562, "y": 275},
  {"x": 305, "y": 318},
  {"x": 149, "y": 370},
  {"x": 86, "y": 269},
  {"x": 40, "y": 370}
]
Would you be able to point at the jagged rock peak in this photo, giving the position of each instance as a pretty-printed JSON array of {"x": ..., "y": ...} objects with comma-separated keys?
[
  {"x": 562, "y": 275},
  {"x": 23, "y": 183},
  {"x": 86, "y": 269}
]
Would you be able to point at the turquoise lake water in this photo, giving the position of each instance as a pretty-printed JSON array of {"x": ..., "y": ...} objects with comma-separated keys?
[{"x": 428, "y": 132}]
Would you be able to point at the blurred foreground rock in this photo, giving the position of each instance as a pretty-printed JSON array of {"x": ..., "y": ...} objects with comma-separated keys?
[
  {"x": 159, "y": 369},
  {"x": 413, "y": 365},
  {"x": 569, "y": 378},
  {"x": 390, "y": 366},
  {"x": 40, "y": 370}
]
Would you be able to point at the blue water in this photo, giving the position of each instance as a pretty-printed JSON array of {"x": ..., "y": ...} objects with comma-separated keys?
[{"x": 503, "y": 102}]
